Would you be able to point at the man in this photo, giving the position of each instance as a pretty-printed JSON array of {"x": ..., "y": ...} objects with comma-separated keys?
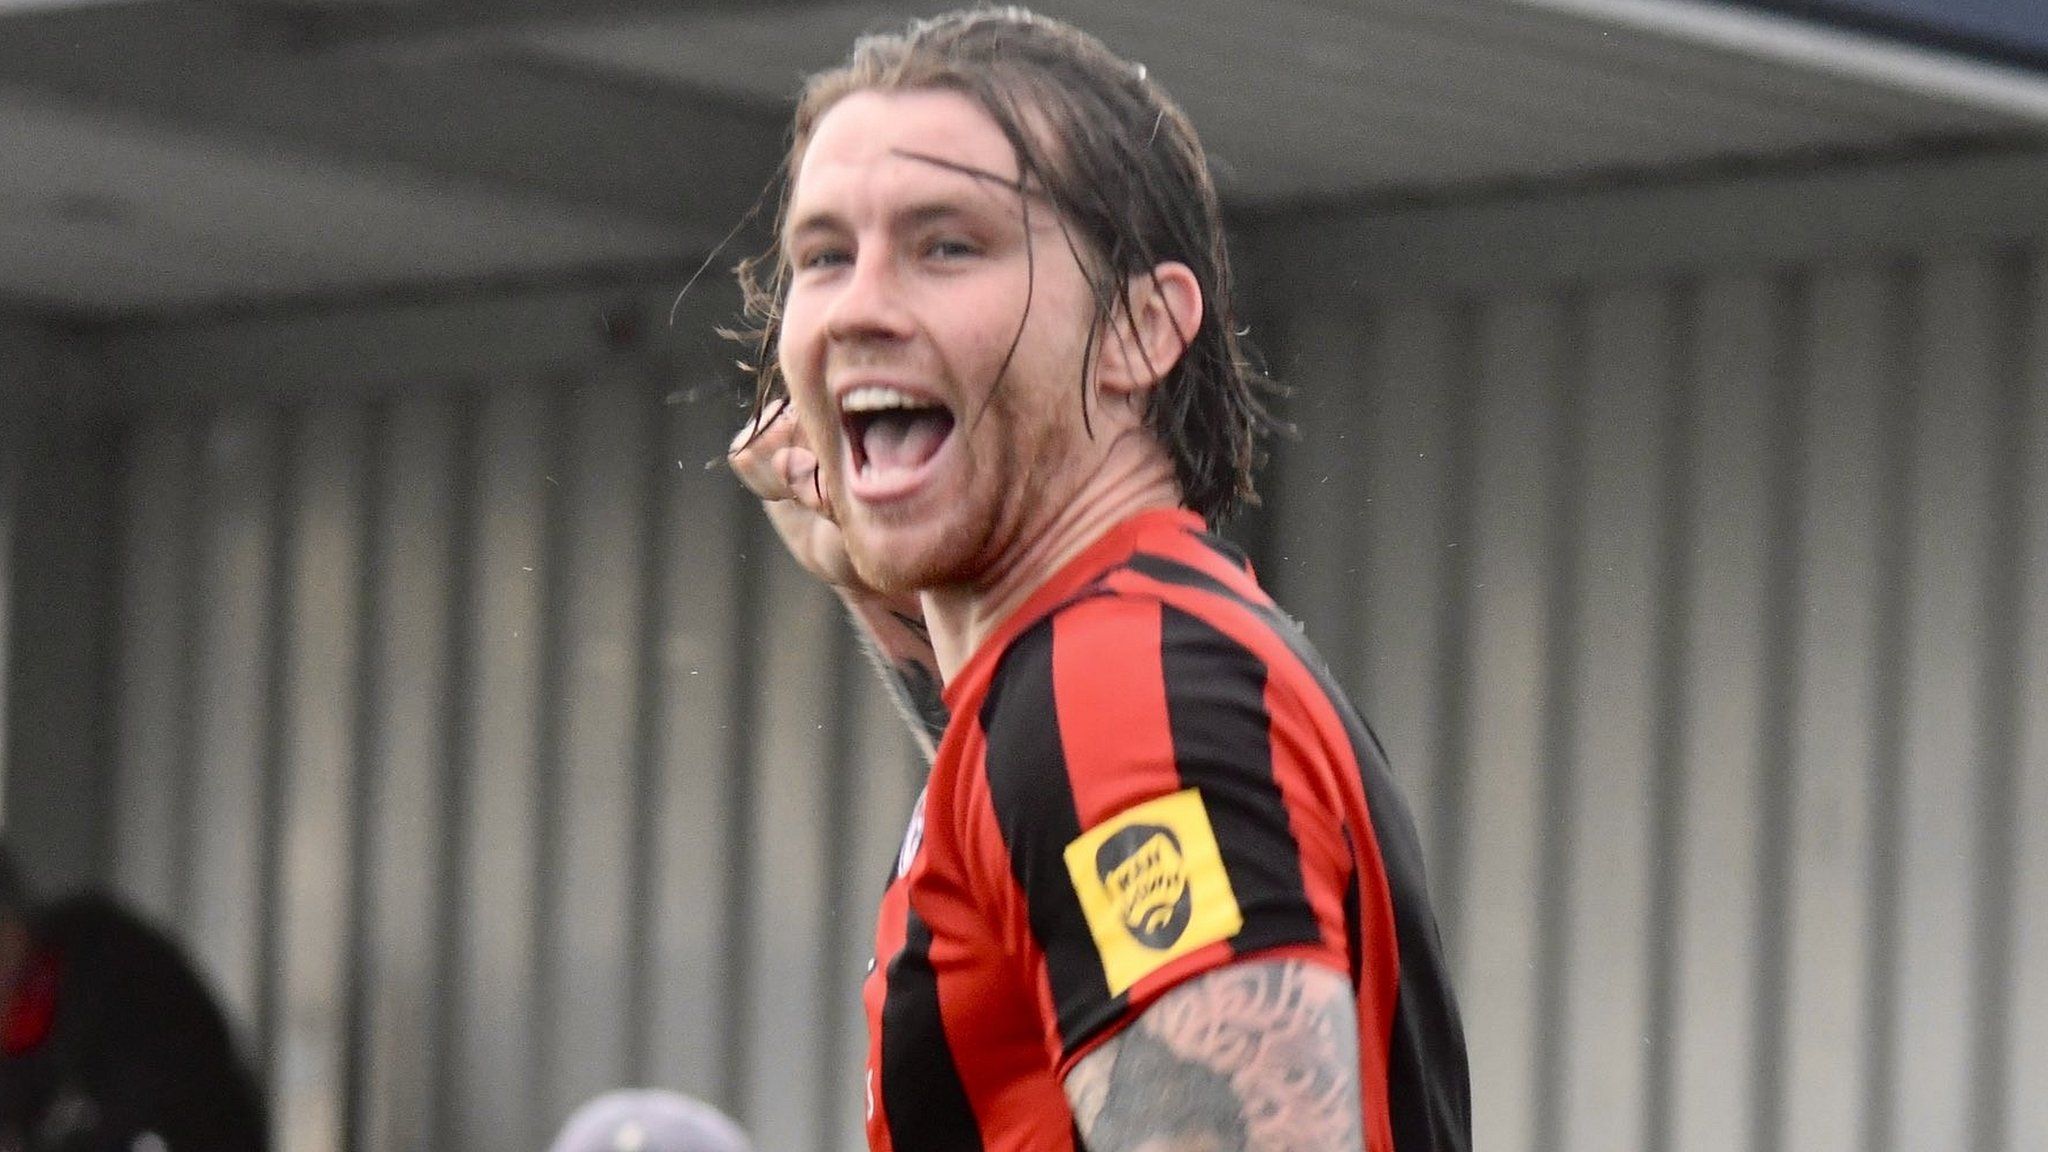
[
  {"x": 109, "y": 1042},
  {"x": 1159, "y": 892}
]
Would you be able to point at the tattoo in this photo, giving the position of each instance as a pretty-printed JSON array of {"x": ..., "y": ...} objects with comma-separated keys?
[
  {"x": 916, "y": 624},
  {"x": 922, "y": 699},
  {"x": 1255, "y": 1057},
  {"x": 899, "y": 645}
]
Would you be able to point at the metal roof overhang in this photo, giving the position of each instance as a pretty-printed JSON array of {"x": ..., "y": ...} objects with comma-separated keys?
[
  {"x": 311, "y": 149},
  {"x": 2006, "y": 31}
]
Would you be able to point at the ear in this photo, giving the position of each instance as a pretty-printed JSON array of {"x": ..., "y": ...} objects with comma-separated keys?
[{"x": 1147, "y": 335}]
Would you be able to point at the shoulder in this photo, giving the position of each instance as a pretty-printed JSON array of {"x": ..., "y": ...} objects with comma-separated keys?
[
  {"x": 1103, "y": 649},
  {"x": 92, "y": 922},
  {"x": 125, "y": 957},
  {"x": 1132, "y": 651},
  {"x": 1120, "y": 694},
  {"x": 143, "y": 1003},
  {"x": 1134, "y": 615}
]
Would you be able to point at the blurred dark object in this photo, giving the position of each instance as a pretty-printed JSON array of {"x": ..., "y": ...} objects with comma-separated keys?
[{"x": 109, "y": 1040}]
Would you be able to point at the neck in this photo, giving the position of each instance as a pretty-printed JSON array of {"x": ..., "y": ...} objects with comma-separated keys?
[{"x": 962, "y": 617}]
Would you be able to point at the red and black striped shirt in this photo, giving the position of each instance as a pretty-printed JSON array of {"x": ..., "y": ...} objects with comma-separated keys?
[{"x": 1148, "y": 775}]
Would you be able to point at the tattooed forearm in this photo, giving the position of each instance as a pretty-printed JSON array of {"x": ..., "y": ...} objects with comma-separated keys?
[
  {"x": 1260, "y": 1057},
  {"x": 899, "y": 644}
]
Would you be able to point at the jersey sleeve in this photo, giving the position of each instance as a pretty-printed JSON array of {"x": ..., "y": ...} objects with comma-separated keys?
[{"x": 1161, "y": 812}]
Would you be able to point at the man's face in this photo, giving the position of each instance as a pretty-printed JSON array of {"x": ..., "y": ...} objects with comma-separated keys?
[{"x": 916, "y": 265}]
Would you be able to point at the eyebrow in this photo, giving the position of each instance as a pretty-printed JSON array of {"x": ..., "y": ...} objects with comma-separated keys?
[
  {"x": 916, "y": 216},
  {"x": 937, "y": 209}
]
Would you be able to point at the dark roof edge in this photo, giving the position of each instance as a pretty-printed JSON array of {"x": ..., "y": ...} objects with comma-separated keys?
[{"x": 1919, "y": 33}]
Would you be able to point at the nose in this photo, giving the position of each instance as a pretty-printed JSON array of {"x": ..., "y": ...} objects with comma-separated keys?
[{"x": 869, "y": 304}]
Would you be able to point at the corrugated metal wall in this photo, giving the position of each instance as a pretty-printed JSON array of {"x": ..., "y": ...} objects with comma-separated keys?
[
  {"x": 1697, "y": 612},
  {"x": 1697, "y": 608},
  {"x": 491, "y": 755}
]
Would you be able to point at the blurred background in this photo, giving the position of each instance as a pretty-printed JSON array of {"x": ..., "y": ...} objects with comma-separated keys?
[{"x": 1671, "y": 492}]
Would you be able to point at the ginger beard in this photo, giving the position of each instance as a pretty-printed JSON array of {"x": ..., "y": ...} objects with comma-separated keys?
[
  {"x": 933, "y": 340},
  {"x": 1009, "y": 480}
]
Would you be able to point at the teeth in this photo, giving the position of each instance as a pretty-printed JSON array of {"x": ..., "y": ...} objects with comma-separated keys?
[{"x": 879, "y": 398}]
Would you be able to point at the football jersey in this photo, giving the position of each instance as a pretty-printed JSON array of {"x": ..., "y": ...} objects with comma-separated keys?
[{"x": 1147, "y": 775}]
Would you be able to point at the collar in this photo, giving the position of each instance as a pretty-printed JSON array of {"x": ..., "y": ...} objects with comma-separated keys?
[{"x": 1110, "y": 549}]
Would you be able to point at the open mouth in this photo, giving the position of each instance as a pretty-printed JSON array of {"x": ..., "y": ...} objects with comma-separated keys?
[{"x": 892, "y": 433}]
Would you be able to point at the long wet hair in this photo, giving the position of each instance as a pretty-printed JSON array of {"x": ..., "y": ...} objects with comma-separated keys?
[{"x": 1119, "y": 163}]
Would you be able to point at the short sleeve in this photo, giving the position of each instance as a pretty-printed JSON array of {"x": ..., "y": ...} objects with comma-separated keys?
[{"x": 1156, "y": 816}]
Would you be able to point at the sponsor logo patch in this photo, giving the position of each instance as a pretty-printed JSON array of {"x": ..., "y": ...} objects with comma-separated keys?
[
  {"x": 1145, "y": 875},
  {"x": 1153, "y": 887}
]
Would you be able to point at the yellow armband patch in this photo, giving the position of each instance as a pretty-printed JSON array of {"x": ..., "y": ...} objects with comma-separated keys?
[{"x": 1153, "y": 886}]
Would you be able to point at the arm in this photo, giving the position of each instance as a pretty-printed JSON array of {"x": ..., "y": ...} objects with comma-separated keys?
[
  {"x": 1260, "y": 1056},
  {"x": 774, "y": 464}
]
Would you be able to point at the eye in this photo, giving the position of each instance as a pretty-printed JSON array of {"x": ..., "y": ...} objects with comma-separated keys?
[
  {"x": 825, "y": 256},
  {"x": 952, "y": 248}
]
